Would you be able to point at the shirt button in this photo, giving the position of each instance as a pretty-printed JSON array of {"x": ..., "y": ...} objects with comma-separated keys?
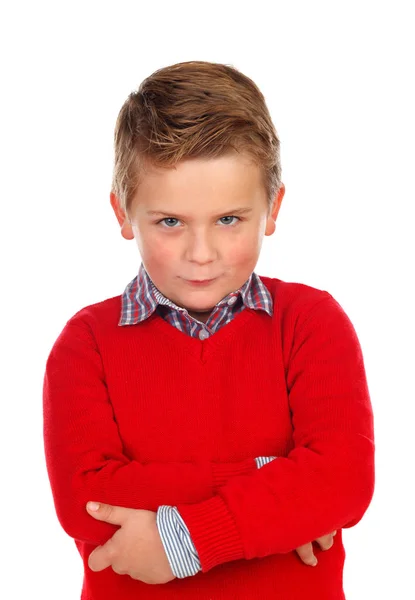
[
  {"x": 203, "y": 334},
  {"x": 232, "y": 300}
]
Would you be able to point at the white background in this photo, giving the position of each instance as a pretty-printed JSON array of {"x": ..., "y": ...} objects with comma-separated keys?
[{"x": 338, "y": 79}]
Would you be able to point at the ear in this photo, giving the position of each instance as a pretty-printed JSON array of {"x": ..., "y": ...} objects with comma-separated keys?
[
  {"x": 270, "y": 226},
  {"x": 122, "y": 218}
]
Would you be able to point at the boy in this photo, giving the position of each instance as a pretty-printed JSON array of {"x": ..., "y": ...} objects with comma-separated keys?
[{"x": 221, "y": 419}]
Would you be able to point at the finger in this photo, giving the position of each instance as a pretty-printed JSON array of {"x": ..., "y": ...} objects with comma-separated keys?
[
  {"x": 325, "y": 542},
  {"x": 118, "y": 570},
  {"x": 100, "y": 558},
  {"x": 305, "y": 552},
  {"x": 108, "y": 513}
]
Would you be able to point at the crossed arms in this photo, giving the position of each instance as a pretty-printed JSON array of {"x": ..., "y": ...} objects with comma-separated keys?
[{"x": 333, "y": 455}]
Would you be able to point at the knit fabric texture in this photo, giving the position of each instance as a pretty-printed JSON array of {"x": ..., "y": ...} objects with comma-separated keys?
[
  {"x": 139, "y": 300},
  {"x": 149, "y": 416}
]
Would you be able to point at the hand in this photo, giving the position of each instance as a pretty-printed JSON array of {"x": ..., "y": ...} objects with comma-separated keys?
[
  {"x": 135, "y": 549},
  {"x": 305, "y": 552}
]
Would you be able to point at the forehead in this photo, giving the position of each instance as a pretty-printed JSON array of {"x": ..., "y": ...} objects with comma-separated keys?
[{"x": 209, "y": 182}]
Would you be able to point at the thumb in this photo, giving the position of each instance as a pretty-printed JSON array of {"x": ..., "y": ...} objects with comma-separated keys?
[{"x": 108, "y": 513}]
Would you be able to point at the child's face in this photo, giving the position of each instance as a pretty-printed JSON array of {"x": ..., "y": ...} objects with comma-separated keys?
[{"x": 198, "y": 238}]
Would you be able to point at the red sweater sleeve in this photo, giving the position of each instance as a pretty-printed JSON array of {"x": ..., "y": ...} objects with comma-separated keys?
[
  {"x": 327, "y": 481},
  {"x": 84, "y": 452}
]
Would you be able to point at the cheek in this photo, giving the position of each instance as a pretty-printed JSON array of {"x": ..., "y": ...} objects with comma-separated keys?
[
  {"x": 156, "y": 253},
  {"x": 244, "y": 251}
]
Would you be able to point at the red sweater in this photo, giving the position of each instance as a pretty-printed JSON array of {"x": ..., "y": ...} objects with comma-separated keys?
[{"x": 147, "y": 416}]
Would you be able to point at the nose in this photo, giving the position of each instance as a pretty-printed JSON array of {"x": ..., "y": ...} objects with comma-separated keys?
[{"x": 200, "y": 248}]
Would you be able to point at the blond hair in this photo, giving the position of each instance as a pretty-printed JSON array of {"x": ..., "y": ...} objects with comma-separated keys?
[{"x": 193, "y": 109}]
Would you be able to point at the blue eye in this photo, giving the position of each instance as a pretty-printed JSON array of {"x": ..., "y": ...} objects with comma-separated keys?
[
  {"x": 174, "y": 219},
  {"x": 230, "y": 217},
  {"x": 167, "y": 219}
]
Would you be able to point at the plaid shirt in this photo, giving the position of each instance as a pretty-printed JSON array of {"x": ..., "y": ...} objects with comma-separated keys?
[{"x": 138, "y": 302}]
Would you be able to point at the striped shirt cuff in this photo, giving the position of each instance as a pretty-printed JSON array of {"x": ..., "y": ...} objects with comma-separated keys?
[
  {"x": 181, "y": 553},
  {"x": 263, "y": 460},
  {"x": 175, "y": 536}
]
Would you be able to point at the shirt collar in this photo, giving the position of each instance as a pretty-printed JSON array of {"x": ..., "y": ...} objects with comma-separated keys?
[{"x": 141, "y": 298}]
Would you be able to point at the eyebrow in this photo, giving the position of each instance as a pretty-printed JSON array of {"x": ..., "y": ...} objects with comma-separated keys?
[{"x": 234, "y": 211}]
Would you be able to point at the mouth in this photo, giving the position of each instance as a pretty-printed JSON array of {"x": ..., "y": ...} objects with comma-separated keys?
[{"x": 200, "y": 282}]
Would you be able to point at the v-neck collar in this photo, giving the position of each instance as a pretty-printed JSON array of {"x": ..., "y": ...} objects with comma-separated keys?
[{"x": 202, "y": 350}]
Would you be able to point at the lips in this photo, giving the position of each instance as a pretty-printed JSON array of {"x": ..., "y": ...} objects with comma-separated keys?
[{"x": 200, "y": 281}]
